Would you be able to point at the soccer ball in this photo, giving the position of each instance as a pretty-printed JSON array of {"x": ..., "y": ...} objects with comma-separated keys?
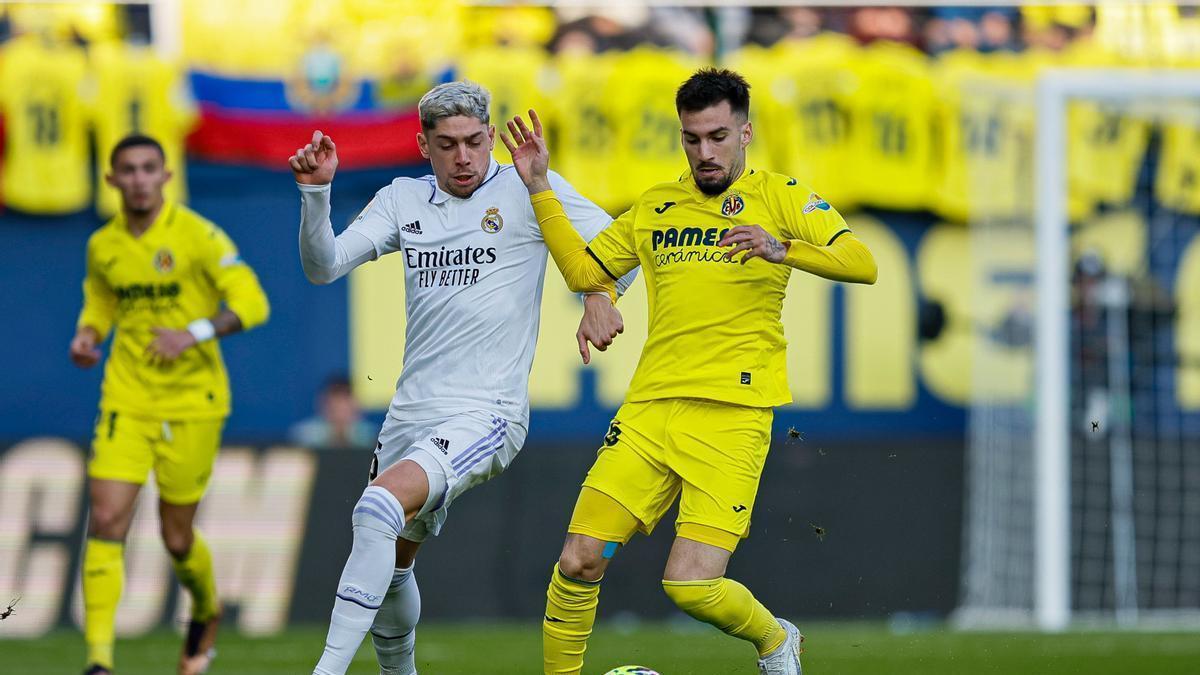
[{"x": 632, "y": 670}]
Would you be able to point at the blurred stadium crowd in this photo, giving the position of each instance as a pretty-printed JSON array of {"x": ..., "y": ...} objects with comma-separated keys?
[{"x": 865, "y": 104}]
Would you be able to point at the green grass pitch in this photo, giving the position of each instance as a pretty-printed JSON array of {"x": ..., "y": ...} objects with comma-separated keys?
[{"x": 500, "y": 649}]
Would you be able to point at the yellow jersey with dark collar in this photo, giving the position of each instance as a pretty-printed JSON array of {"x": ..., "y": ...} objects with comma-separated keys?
[
  {"x": 714, "y": 325},
  {"x": 182, "y": 268}
]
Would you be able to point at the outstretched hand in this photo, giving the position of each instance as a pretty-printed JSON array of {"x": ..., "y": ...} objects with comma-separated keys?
[
  {"x": 530, "y": 155},
  {"x": 315, "y": 163}
]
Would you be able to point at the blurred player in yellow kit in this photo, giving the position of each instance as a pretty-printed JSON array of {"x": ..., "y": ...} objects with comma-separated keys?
[
  {"x": 168, "y": 283},
  {"x": 696, "y": 423}
]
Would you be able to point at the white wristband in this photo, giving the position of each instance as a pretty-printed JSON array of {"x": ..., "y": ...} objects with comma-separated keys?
[{"x": 202, "y": 330}]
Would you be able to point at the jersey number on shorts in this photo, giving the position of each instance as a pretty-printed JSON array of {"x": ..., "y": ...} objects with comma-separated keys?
[
  {"x": 371, "y": 475},
  {"x": 614, "y": 433}
]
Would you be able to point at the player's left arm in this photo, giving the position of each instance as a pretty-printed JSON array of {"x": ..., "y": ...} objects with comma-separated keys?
[
  {"x": 582, "y": 272},
  {"x": 245, "y": 302},
  {"x": 816, "y": 241},
  {"x": 588, "y": 219},
  {"x": 601, "y": 321},
  {"x": 97, "y": 316}
]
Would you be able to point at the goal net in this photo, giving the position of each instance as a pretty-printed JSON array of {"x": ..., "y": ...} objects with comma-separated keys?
[{"x": 1083, "y": 451}]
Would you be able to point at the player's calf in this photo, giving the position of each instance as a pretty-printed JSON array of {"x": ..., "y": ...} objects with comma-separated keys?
[
  {"x": 729, "y": 607},
  {"x": 378, "y": 518},
  {"x": 394, "y": 632}
]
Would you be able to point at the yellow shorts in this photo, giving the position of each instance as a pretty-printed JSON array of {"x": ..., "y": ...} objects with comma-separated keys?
[
  {"x": 708, "y": 454},
  {"x": 125, "y": 447}
]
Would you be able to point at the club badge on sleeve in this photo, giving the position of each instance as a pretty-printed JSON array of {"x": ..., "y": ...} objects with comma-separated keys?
[{"x": 815, "y": 202}]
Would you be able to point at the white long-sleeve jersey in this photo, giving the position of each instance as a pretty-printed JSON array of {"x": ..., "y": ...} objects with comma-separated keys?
[{"x": 473, "y": 278}]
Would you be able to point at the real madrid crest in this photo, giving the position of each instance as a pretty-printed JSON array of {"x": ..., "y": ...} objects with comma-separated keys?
[
  {"x": 732, "y": 205},
  {"x": 492, "y": 222},
  {"x": 164, "y": 262}
]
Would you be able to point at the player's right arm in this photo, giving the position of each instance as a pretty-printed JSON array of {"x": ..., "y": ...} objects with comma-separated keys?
[
  {"x": 96, "y": 318},
  {"x": 582, "y": 271},
  {"x": 324, "y": 257}
]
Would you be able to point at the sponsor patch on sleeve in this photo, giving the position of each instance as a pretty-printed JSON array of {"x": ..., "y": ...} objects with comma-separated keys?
[
  {"x": 815, "y": 202},
  {"x": 363, "y": 213}
]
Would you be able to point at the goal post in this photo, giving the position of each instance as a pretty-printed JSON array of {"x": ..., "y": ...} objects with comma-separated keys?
[
  {"x": 1055, "y": 89},
  {"x": 1028, "y": 543}
]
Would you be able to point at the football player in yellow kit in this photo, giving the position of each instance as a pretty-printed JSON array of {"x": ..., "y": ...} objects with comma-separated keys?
[
  {"x": 168, "y": 283},
  {"x": 717, "y": 247}
]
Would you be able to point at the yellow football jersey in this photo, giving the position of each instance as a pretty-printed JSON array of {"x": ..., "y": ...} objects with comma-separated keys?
[
  {"x": 136, "y": 91},
  {"x": 1177, "y": 181},
  {"x": 1106, "y": 144},
  {"x": 641, "y": 92},
  {"x": 513, "y": 23},
  {"x": 714, "y": 325},
  {"x": 964, "y": 128},
  {"x": 984, "y": 136},
  {"x": 585, "y": 129},
  {"x": 892, "y": 127},
  {"x": 516, "y": 77},
  {"x": 817, "y": 86},
  {"x": 242, "y": 37},
  {"x": 43, "y": 89},
  {"x": 762, "y": 72},
  {"x": 91, "y": 20},
  {"x": 180, "y": 269}
]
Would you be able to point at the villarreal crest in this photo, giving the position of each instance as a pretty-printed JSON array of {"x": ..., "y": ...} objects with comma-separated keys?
[
  {"x": 732, "y": 205},
  {"x": 164, "y": 262}
]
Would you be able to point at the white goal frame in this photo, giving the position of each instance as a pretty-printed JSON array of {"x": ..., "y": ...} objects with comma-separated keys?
[{"x": 1052, "y": 449}]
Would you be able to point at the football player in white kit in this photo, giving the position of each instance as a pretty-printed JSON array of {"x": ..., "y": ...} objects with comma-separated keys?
[{"x": 474, "y": 265}]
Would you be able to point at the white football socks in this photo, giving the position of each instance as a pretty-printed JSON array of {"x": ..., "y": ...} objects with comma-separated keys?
[
  {"x": 378, "y": 518},
  {"x": 395, "y": 629}
]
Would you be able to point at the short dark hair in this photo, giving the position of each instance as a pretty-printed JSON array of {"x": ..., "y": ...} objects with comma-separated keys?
[
  {"x": 337, "y": 384},
  {"x": 709, "y": 86},
  {"x": 135, "y": 141}
]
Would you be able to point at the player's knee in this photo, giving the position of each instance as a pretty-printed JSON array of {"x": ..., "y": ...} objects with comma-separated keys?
[
  {"x": 577, "y": 562},
  {"x": 379, "y": 510},
  {"x": 177, "y": 540},
  {"x": 408, "y": 482},
  {"x": 107, "y": 522}
]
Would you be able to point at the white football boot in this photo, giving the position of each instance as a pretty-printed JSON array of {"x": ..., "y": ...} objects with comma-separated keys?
[{"x": 785, "y": 660}]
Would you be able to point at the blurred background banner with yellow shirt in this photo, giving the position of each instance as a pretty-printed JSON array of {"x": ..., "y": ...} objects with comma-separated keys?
[{"x": 918, "y": 123}]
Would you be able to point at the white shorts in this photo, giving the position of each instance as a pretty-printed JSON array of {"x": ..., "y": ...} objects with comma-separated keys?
[{"x": 457, "y": 453}]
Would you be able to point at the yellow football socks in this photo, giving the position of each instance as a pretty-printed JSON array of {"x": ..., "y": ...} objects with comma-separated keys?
[
  {"x": 195, "y": 573},
  {"x": 729, "y": 606},
  {"x": 570, "y": 613},
  {"x": 103, "y": 577}
]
